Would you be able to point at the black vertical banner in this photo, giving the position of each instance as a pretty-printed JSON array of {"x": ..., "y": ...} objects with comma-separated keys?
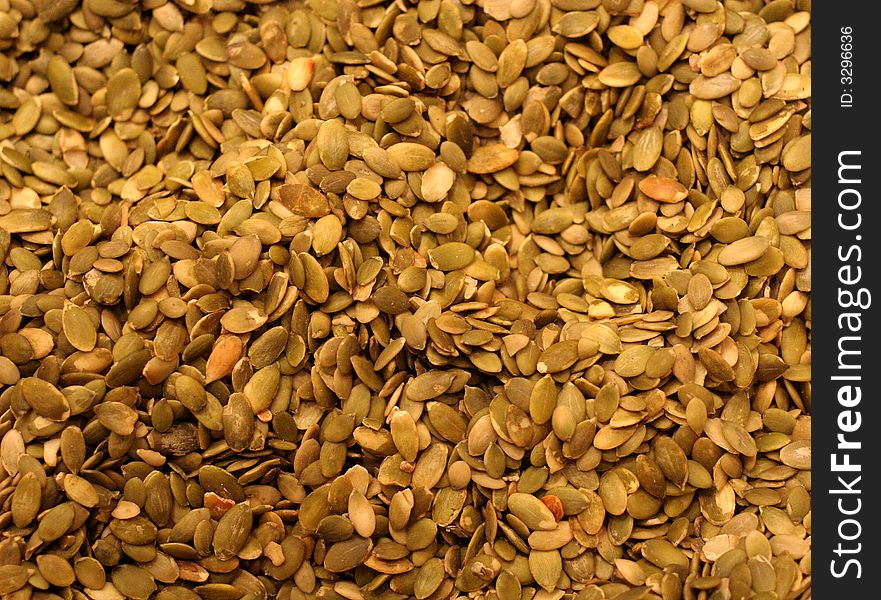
[{"x": 846, "y": 261}]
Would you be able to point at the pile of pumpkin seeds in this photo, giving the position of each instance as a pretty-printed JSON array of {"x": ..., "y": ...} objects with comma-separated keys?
[{"x": 374, "y": 299}]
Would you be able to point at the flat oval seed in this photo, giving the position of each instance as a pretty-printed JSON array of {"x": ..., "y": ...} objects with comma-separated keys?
[{"x": 743, "y": 251}]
